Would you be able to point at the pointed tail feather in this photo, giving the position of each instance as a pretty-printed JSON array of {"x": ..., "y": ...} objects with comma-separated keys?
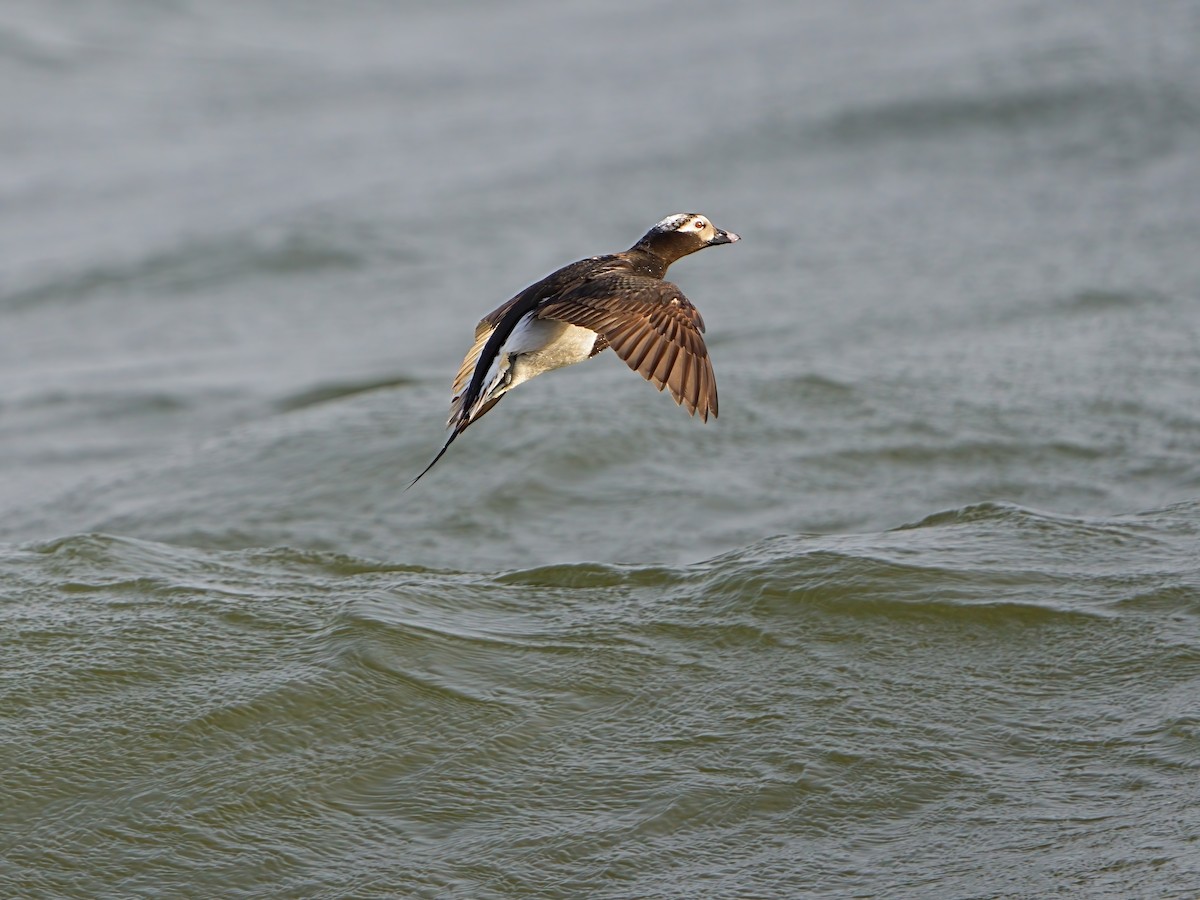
[
  {"x": 446, "y": 446},
  {"x": 459, "y": 428}
]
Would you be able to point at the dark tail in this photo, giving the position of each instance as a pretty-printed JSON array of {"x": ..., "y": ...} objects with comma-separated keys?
[
  {"x": 458, "y": 429},
  {"x": 441, "y": 453}
]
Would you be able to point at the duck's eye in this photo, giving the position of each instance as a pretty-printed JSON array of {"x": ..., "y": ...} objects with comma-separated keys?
[{"x": 700, "y": 223}]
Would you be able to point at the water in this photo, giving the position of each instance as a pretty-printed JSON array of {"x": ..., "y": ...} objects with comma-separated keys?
[{"x": 918, "y": 616}]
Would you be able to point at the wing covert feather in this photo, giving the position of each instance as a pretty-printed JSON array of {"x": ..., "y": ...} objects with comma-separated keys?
[{"x": 652, "y": 326}]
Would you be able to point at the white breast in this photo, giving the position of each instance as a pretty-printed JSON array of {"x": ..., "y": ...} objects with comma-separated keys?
[{"x": 540, "y": 345}]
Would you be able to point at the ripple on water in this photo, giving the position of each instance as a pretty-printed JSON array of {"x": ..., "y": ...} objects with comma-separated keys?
[{"x": 289, "y": 710}]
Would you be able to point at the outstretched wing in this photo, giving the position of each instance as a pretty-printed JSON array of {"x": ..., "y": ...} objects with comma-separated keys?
[
  {"x": 652, "y": 326},
  {"x": 496, "y": 326}
]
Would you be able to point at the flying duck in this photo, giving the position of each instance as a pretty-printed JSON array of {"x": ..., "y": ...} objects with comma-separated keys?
[{"x": 619, "y": 300}]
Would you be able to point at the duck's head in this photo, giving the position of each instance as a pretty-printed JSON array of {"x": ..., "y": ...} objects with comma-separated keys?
[{"x": 683, "y": 233}]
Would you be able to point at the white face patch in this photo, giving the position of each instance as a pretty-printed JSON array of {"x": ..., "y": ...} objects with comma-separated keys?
[{"x": 687, "y": 222}]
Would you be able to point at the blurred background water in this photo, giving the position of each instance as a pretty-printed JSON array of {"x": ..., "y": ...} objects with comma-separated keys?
[{"x": 918, "y": 616}]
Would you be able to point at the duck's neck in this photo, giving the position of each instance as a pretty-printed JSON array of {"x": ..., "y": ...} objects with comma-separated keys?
[{"x": 647, "y": 263}]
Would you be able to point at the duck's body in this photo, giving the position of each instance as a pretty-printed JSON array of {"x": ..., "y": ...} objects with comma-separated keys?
[{"x": 619, "y": 301}]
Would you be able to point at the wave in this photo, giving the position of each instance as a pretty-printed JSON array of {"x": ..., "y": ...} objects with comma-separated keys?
[
  {"x": 338, "y": 390},
  {"x": 897, "y": 674},
  {"x": 931, "y": 117},
  {"x": 988, "y": 563},
  {"x": 198, "y": 264}
]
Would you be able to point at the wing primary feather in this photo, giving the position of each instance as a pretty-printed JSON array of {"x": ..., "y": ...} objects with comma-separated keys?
[
  {"x": 652, "y": 363},
  {"x": 666, "y": 364},
  {"x": 686, "y": 364},
  {"x": 642, "y": 348}
]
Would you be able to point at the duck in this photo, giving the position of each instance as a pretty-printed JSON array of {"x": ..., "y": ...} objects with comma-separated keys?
[{"x": 620, "y": 301}]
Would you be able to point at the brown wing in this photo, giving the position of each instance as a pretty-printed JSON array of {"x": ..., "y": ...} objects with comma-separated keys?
[{"x": 653, "y": 327}]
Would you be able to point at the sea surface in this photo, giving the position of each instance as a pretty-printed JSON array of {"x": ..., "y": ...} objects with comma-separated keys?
[{"x": 917, "y": 617}]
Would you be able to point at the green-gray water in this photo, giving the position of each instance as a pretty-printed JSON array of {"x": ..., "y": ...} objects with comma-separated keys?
[{"x": 918, "y": 616}]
